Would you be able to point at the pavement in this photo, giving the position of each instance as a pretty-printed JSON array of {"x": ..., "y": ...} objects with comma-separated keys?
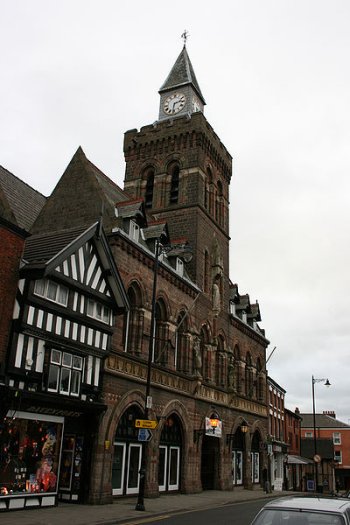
[{"x": 123, "y": 509}]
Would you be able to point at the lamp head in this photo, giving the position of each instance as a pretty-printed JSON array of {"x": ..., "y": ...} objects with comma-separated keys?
[
  {"x": 244, "y": 427},
  {"x": 327, "y": 383}
]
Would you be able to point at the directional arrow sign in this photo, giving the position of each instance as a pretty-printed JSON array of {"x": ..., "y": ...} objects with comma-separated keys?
[
  {"x": 144, "y": 434},
  {"x": 146, "y": 423}
]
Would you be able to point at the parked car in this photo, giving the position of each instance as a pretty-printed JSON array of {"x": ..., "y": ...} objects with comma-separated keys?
[{"x": 299, "y": 510}]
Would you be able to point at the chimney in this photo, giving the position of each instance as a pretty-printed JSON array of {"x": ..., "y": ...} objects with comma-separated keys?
[
  {"x": 297, "y": 411},
  {"x": 329, "y": 413}
]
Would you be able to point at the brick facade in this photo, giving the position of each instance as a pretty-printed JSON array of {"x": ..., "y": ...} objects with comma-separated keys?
[{"x": 11, "y": 247}]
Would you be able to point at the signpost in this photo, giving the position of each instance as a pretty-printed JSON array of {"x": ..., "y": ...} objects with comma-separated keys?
[
  {"x": 146, "y": 423},
  {"x": 144, "y": 435}
]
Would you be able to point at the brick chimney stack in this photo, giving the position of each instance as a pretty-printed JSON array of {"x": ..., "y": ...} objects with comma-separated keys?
[{"x": 329, "y": 413}]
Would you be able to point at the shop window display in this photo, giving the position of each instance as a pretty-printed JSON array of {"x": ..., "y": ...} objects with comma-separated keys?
[{"x": 29, "y": 455}]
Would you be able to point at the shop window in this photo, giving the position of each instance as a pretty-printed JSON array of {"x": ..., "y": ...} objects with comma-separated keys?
[
  {"x": 71, "y": 464},
  {"x": 52, "y": 291},
  {"x": 29, "y": 459},
  {"x": 65, "y": 373},
  {"x": 98, "y": 311}
]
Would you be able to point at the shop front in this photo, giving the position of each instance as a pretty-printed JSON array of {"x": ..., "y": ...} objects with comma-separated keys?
[
  {"x": 30, "y": 454},
  {"x": 45, "y": 451}
]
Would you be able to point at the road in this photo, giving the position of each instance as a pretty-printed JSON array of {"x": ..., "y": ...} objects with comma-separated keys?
[{"x": 235, "y": 514}]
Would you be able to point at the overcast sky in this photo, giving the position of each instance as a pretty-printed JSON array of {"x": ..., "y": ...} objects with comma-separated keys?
[{"x": 275, "y": 75}]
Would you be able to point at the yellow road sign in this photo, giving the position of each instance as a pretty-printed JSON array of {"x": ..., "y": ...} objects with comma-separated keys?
[{"x": 146, "y": 423}]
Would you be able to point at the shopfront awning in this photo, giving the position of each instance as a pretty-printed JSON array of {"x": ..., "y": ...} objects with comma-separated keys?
[{"x": 298, "y": 460}]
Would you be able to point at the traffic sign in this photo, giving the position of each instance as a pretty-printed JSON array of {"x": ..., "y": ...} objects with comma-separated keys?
[
  {"x": 144, "y": 435},
  {"x": 146, "y": 423}
]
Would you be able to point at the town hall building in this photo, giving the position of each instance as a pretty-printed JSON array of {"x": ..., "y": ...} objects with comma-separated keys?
[{"x": 124, "y": 311}]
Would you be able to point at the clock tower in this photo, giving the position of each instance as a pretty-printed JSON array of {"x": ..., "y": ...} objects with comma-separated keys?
[
  {"x": 180, "y": 94},
  {"x": 181, "y": 169}
]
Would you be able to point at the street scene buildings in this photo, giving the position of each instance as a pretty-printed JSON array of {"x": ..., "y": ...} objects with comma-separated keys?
[{"x": 128, "y": 355}]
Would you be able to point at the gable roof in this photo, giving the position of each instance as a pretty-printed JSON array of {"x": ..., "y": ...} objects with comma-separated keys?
[
  {"x": 46, "y": 252},
  {"x": 82, "y": 195},
  {"x": 182, "y": 74},
  {"x": 20, "y": 204},
  {"x": 322, "y": 421}
]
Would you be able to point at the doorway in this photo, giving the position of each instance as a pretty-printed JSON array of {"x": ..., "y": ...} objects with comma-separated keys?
[{"x": 210, "y": 463}]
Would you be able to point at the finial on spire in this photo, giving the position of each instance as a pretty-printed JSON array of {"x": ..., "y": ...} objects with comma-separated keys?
[{"x": 185, "y": 36}]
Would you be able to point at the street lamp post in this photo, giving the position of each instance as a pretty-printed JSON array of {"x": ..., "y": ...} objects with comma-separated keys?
[
  {"x": 316, "y": 458},
  {"x": 140, "y": 505},
  {"x": 161, "y": 246}
]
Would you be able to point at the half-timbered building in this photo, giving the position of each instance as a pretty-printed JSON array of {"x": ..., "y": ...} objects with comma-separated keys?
[{"x": 68, "y": 295}]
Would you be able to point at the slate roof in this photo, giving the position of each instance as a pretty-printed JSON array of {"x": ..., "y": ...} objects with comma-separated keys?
[
  {"x": 322, "y": 421},
  {"x": 132, "y": 209},
  {"x": 41, "y": 248},
  {"x": 182, "y": 74},
  {"x": 155, "y": 230},
  {"x": 81, "y": 196},
  {"x": 19, "y": 202}
]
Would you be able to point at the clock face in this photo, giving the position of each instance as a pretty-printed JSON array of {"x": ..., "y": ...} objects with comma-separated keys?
[{"x": 174, "y": 103}]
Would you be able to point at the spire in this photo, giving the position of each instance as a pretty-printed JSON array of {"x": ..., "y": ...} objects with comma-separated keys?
[{"x": 182, "y": 74}]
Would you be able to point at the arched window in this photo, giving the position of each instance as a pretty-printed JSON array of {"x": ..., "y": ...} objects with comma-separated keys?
[
  {"x": 259, "y": 381},
  {"x": 136, "y": 320},
  {"x": 220, "y": 364},
  {"x": 206, "y": 272},
  {"x": 174, "y": 185},
  {"x": 208, "y": 191},
  {"x": 161, "y": 336},
  {"x": 149, "y": 175},
  {"x": 205, "y": 353},
  {"x": 182, "y": 352},
  {"x": 249, "y": 386},
  {"x": 237, "y": 370},
  {"x": 219, "y": 209}
]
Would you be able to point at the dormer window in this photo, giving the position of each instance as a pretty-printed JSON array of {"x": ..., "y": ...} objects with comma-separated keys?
[
  {"x": 98, "y": 311},
  {"x": 134, "y": 231},
  {"x": 232, "y": 308},
  {"x": 52, "y": 291},
  {"x": 179, "y": 266}
]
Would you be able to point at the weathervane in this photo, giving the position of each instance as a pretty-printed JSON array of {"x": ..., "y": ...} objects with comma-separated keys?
[{"x": 185, "y": 36}]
